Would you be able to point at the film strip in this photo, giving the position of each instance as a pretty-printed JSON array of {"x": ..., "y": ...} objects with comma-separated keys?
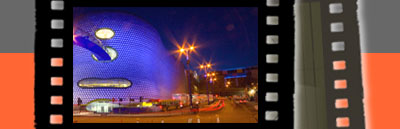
[
  {"x": 53, "y": 57},
  {"x": 279, "y": 63},
  {"x": 51, "y": 64},
  {"x": 331, "y": 93}
]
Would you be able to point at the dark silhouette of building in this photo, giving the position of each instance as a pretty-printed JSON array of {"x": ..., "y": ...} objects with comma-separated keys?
[{"x": 233, "y": 81}]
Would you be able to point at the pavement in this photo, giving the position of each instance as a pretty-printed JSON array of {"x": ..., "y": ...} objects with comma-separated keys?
[
  {"x": 230, "y": 113},
  {"x": 186, "y": 110}
]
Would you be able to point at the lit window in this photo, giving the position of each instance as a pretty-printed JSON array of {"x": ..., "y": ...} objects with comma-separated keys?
[
  {"x": 104, "y": 33},
  {"x": 111, "y": 52},
  {"x": 104, "y": 83}
]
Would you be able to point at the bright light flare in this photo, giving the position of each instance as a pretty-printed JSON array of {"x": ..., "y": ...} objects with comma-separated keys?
[
  {"x": 180, "y": 51},
  {"x": 252, "y": 92},
  {"x": 74, "y": 36}
]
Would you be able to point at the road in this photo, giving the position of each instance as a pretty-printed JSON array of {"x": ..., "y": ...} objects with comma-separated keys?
[{"x": 231, "y": 113}]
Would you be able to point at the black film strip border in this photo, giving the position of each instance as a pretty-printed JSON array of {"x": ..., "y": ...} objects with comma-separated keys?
[
  {"x": 51, "y": 64},
  {"x": 277, "y": 38},
  {"x": 278, "y": 63}
]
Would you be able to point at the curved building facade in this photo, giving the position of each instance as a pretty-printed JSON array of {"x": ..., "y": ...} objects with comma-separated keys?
[{"x": 140, "y": 65}]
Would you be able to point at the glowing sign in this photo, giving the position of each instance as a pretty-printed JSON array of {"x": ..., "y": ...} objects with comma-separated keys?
[
  {"x": 145, "y": 104},
  {"x": 104, "y": 83}
]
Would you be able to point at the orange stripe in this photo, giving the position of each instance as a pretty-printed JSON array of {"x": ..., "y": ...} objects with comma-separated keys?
[
  {"x": 382, "y": 90},
  {"x": 17, "y": 88},
  {"x": 380, "y": 75}
]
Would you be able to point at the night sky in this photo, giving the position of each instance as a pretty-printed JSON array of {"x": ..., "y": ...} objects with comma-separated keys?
[{"x": 228, "y": 36}]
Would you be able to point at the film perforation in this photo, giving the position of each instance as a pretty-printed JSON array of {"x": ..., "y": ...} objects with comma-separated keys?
[
  {"x": 57, "y": 43},
  {"x": 272, "y": 39},
  {"x": 340, "y": 84},
  {"x": 57, "y": 5},
  {"x": 272, "y": 3},
  {"x": 272, "y": 20},
  {"x": 272, "y": 58},
  {"x": 335, "y": 8},
  {"x": 57, "y": 24},
  {"x": 338, "y": 46}
]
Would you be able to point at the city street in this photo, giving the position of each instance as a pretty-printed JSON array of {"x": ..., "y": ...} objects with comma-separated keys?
[{"x": 231, "y": 113}]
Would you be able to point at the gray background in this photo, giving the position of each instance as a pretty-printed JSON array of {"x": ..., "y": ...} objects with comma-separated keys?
[
  {"x": 379, "y": 27},
  {"x": 17, "y": 26}
]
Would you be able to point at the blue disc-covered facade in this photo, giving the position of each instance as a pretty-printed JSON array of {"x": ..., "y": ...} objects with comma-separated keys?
[{"x": 141, "y": 58}]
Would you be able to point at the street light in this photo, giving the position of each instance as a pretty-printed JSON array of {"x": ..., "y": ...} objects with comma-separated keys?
[
  {"x": 252, "y": 92},
  {"x": 206, "y": 67},
  {"x": 213, "y": 84},
  {"x": 187, "y": 51}
]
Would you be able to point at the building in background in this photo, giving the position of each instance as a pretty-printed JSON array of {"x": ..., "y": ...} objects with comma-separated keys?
[
  {"x": 234, "y": 81},
  {"x": 141, "y": 67}
]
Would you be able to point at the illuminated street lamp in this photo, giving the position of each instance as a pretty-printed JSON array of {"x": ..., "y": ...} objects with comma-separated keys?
[
  {"x": 252, "y": 92},
  {"x": 213, "y": 79},
  {"x": 187, "y": 51},
  {"x": 206, "y": 67}
]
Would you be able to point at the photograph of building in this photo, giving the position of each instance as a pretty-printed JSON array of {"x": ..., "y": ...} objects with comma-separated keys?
[
  {"x": 141, "y": 59},
  {"x": 141, "y": 65}
]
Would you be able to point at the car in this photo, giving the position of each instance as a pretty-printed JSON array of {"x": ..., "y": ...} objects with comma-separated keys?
[{"x": 240, "y": 101}]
